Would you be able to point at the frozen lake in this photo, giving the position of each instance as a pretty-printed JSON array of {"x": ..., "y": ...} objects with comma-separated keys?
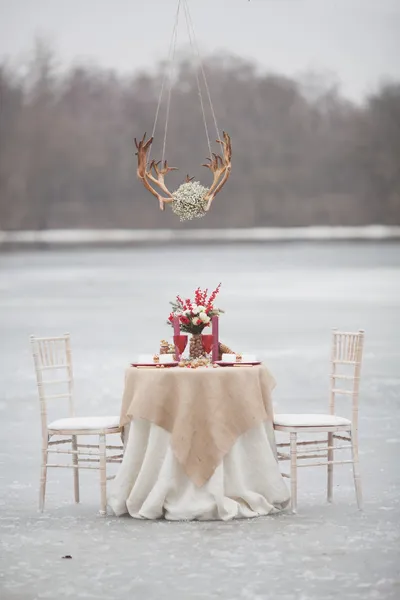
[{"x": 281, "y": 302}]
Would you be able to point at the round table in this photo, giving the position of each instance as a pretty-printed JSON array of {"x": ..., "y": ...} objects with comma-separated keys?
[{"x": 200, "y": 445}]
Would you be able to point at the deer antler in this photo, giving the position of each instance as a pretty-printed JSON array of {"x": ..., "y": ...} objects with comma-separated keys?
[
  {"x": 220, "y": 167},
  {"x": 160, "y": 173},
  {"x": 145, "y": 174}
]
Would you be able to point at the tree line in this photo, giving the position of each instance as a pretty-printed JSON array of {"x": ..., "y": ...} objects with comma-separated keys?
[{"x": 302, "y": 153}]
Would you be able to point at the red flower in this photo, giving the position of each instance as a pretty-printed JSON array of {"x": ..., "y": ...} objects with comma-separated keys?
[
  {"x": 198, "y": 296},
  {"x": 214, "y": 294},
  {"x": 190, "y": 320},
  {"x": 181, "y": 302}
]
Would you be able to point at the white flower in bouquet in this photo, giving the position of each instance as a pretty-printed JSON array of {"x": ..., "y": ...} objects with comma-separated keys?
[
  {"x": 195, "y": 320},
  {"x": 204, "y": 317},
  {"x": 201, "y": 309},
  {"x": 195, "y": 309}
]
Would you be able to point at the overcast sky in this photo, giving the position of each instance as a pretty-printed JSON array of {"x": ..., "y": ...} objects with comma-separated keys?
[{"x": 359, "y": 40}]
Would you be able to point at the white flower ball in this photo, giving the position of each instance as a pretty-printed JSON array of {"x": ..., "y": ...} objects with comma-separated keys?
[
  {"x": 194, "y": 320},
  {"x": 189, "y": 201},
  {"x": 195, "y": 309},
  {"x": 203, "y": 317}
]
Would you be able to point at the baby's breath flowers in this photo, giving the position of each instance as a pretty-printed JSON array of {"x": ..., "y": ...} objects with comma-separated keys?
[{"x": 189, "y": 201}]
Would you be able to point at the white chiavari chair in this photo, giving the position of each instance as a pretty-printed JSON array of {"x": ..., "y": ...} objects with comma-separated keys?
[
  {"x": 53, "y": 366},
  {"x": 346, "y": 358}
]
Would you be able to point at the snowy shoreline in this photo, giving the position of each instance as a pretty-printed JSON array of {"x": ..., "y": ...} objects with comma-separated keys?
[{"x": 71, "y": 237}]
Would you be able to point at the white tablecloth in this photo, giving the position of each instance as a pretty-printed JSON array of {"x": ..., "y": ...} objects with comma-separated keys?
[{"x": 151, "y": 484}]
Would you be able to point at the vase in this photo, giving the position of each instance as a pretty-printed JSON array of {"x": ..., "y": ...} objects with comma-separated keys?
[{"x": 196, "y": 349}]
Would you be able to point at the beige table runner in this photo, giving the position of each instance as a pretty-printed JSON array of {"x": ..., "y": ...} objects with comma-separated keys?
[{"x": 204, "y": 410}]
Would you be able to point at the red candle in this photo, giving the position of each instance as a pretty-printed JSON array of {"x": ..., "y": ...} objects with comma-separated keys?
[
  {"x": 215, "y": 351},
  {"x": 177, "y": 329}
]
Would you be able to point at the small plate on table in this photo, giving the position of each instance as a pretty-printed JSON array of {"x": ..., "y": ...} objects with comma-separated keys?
[
  {"x": 165, "y": 365},
  {"x": 252, "y": 363}
]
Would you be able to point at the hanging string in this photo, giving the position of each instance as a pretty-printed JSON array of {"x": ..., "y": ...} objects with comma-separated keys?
[
  {"x": 171, "y": 74},
  {"x": 191, "y": 26},
  {"x": 171, "y": 53},
  {"x": 187, "y": 16}
]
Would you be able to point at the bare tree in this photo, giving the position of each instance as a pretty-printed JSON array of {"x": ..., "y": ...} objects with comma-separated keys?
[{"x": 302, "y": 154}]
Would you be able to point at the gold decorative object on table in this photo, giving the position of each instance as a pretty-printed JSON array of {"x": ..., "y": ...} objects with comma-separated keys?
[
  {"x": 223, "y": 349},
  {"x": 164, "y": 347},
  {"x": 171, "y": 350},
  {"x": 194, "y": 363}
]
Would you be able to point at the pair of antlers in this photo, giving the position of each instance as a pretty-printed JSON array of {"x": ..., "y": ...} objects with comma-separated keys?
[{"x": 219, "y": 165}]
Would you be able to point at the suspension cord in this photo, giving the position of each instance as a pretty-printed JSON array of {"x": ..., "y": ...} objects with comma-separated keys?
[
  {"x": 171, "y": 78},
  {"x": 191, "y": 26},
  {"x": 169, "y": 73},
  {"x": 171, "y": 53},
  {"x": 192, "y": 44}
]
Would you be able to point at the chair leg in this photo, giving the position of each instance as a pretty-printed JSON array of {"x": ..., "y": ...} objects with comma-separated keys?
[
  {"x": 75, "y": 470},
  {"x": 356, "y": 470},
  {"x": 293, "y": 470},
  {"x": 103, "y": 476},
  {"x": 43, "y": 476},
  {"x": 330, "y": 457}
]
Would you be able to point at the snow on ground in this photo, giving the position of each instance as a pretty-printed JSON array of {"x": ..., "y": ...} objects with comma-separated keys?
[
  {"x": 253, "y": 234},
  {"x": 281, "y": 302}
]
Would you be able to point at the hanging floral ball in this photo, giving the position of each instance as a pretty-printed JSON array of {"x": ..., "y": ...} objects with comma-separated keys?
[{"x": 189, "y": 201}]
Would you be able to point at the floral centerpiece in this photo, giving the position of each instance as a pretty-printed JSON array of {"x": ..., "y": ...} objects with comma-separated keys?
[{"x": 195, "y": 315}]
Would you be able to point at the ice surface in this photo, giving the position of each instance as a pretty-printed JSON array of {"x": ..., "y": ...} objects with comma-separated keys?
[{"x": 281, "y": 302}]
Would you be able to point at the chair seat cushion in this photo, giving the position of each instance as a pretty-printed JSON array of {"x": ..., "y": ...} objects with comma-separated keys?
[
  {"x": 313, "y": 420},
  {"x": 76, "y": 423}
]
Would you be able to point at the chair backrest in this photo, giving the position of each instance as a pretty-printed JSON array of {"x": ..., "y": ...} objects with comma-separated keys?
[
  {"x": 346, "y": 359},
  {"x": 53, "y": 366}
]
